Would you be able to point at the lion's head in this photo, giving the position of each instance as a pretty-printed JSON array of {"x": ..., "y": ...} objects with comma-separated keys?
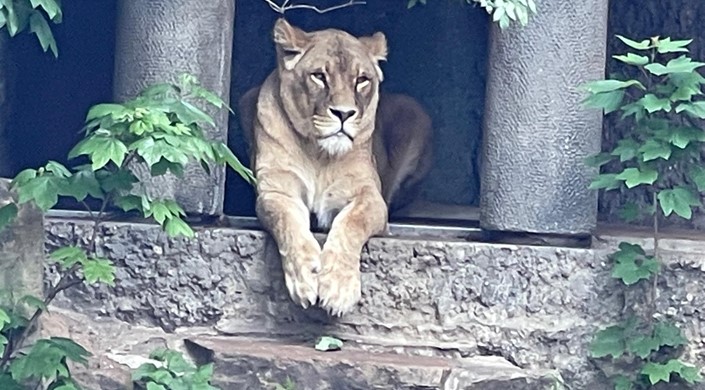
[{"x": 329, "y": 84}]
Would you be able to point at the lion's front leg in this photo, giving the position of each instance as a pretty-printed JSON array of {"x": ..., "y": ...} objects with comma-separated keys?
[
  {"x": 287, "y": 220},
  {"x": 339, "y": 286}
]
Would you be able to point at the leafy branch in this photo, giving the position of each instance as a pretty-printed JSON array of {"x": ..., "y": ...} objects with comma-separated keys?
[
  {"x": 288, "y": 6},
  {"x": 503, "y": 12},
  {"x": 662, "y": 104},
  {"x": 160, "y": 128},
  {"x": 17, "y": 15}
]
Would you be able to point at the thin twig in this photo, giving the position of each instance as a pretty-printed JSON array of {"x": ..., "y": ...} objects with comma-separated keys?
[
  {"x": 281, "y": 9},
  {"x": 654, "y": 287},
  {"x": 64, "y": 283}
]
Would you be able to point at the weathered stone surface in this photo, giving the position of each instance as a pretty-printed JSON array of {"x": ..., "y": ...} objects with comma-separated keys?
[
  {"x": 536, "y": 132},
  {"x": 21, "y": 249},
  {"x": 245, "y": 363},
  {"x": 157, "y": 41},
  {"x": 536, "y": 307}
]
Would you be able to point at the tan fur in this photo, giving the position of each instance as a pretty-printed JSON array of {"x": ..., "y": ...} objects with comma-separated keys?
[
  {"x": 401, "y": 143},
  {"x": 311, "y": 147}
]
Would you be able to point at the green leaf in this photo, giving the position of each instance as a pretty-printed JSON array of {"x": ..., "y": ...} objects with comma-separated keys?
[
  {"x": 598, "y": 160},
  {"x": 43, "y": 190},
  {"x": 46, "y": 359},
  {"x": 68, "y": 256},
  {"x": 608, "y": 342},
  {"x": 622, "y": 382},
  {"x": 642, "y": 45},
  {"x": 82, "y": 184},
  {"x": 606, "y": 181},
  {"x": 643, "y": 346},
  {"x": 632, "y": 59},
  {"x": 687, "y": 85},
  {"x": 678, "y": 200},
  {"x": 101, "y": 110},
  {"x": 666, "y": 45},
  {"x": 607, "y": 101},
  {"x": 669, "y": 334},
  {"x": 57, "y": 169},
  {"x": 129, "y": 202},
  {"x": 652, "y": 149},
  {"x": 189, "y": 114},
  {"x": 652, "y": 103},
  {"x": 139, "y": 127},
  {"x": 600, "y": 86},
  {"x": 656, "y": 372},
  {"x": 121, "y": 180},
  {"x": 177, "y": 227},
  {"x": 23, "y": 177},
  {"x": 204, "y": 373},
  {"x": 681, "y": 64},
  {"x": 71, "y": 349},
  {"x": 8, "y": 213},
  {"x": 144, "y": 371},
  {"x": 224, "y": 154},
  {"x": 695, "y": 109},
  {"x": 39, "y": 26},
  {"x": 631, "y": 272},
  {"x": 155, "y": 386},
  {"x": 4, "y": 318},
  {"x": 99, "y": 270},
  {"x": 626, "y": 149},
  {"x": 690, "y": 374},
  {"x": 6, "y": 381},
  {"x": 33, "y": 302},
  {"x": 51, "y": 7},
  {"x": 327, "y": 343},
  {"x": 632, "y": 264},
  {"x": 633, "y": 177},
  {"x": 164, "y": 165},
  {"x": 696, "y": 175},
  {"x": 683, "y": 136},
  {"x": 101, "y": 150}
]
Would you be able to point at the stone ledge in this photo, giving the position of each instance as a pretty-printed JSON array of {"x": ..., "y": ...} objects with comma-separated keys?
[
  {"x": 536, "y": 307},
  {"x": 247, "y": 363}
]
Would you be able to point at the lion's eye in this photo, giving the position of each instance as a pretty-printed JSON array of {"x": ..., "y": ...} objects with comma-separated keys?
[
  {"x": 318, "y": 76},
  {"x": 362, "y": 80}
]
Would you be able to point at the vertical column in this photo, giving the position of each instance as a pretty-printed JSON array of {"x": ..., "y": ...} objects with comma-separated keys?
[
  {"x": 536, "y": 133},
  {"x": 22, "y": 249},
  {"x": 159, "y": 39}
]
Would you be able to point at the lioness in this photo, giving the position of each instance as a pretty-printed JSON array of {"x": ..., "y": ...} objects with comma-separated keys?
[{"x": 310, "y": 127}]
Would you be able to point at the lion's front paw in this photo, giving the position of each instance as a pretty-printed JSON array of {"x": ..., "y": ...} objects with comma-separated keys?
[
  {"x": 339, "y": 282},
  {"x": 301, "y": 267}
]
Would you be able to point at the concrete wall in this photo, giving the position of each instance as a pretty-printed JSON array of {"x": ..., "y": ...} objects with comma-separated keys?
[{"x": 535, "y": 307}]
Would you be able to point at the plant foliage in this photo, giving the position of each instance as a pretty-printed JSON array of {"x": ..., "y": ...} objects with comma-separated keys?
[
  {"x": 172, "y": 372},
  {"x": 662, "y": 103},
  {"x": 504, "y": 12},
  {"x": 161, "y": 128},
  {"x": 19, "y": 15}
]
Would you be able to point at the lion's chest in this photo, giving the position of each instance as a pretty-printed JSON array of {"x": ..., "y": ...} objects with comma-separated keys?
[{"x": 326, "y": 196}]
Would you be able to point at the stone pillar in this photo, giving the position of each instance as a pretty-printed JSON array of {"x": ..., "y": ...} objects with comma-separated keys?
[
  {"x": 536, "y": 133},
  {"x": 22, "y": 249},
  {"x": 159, "y": 39}
]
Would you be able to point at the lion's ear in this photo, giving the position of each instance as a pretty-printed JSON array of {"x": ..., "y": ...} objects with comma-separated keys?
[
  {"x": 290, "y": 42},
  {"x": 377, "y": 46}
]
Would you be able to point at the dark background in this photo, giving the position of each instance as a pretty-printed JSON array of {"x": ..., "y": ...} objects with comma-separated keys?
[{"x": 437, "y": 54}]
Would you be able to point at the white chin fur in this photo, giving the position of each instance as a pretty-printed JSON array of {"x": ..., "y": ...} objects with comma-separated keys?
[{"x": 336, "y": 145}]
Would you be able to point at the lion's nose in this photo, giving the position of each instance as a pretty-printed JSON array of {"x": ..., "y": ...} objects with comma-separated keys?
[{"x": 342, "y": 114}]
